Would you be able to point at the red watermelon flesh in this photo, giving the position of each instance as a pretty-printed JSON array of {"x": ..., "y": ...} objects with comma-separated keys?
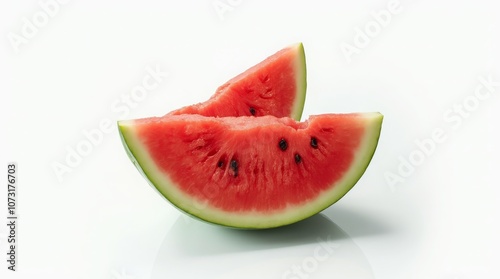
[
  {"x": 252, "y": 172},
  {"x": 276, "y": 86}
]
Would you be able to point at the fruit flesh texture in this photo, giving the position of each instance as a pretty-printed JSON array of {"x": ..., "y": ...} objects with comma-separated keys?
[
  {"x": 181, "y": 157},
  {"x": 276, "y": 86}
]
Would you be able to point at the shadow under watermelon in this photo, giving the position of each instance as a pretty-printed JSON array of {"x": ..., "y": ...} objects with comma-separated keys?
[
  {"x": 358, "y": 223},
  {"x": 192, "y": 246},
  {"x": 193, "y": 237}
]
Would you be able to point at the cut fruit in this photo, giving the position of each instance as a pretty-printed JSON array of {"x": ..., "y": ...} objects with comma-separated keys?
[
  {"x": 276, "y": 86},
  {"x": 252, "y": 172}
]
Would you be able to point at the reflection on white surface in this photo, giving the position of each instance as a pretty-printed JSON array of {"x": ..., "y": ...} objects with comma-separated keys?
[{"x": 315, "y": 247}]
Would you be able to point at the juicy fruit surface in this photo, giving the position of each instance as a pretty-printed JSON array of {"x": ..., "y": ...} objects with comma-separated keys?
[
  {"x": 276, "y": 86},
  {"x": 252, "y": 172}
]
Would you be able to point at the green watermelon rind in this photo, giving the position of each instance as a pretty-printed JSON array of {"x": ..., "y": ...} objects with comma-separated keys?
[
  {"x": 159, "y": 181},
  {"x": 301, "y": 83}
]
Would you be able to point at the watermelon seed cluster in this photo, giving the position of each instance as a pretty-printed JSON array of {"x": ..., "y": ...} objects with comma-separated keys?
[{"x": 283, "y": 145}]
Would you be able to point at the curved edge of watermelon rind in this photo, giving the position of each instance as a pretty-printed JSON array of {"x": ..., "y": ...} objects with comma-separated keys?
[
  {"x": 134, "y": 150},
  {"x": 157, "y": 180},
  {"x": 363, "y": 156}
]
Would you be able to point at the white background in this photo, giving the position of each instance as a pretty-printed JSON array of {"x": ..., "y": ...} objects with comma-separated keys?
[{"x": 102, "y": 220}]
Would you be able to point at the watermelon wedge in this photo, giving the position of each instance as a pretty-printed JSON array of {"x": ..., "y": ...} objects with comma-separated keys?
[
  {"x": 276, "y": 86},
  {"x": 252, "y": 172}
]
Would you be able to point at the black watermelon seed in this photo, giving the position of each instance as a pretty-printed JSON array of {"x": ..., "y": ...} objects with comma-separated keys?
[
  {"x": 283, "y": 144},
  {"x": 234, "y": 166},
  {"x": 298, "y": 159},
  {"x": 220, "y": 164},
  {"x": 252, "y": 111},
  {"x": 314, "y": 142}
]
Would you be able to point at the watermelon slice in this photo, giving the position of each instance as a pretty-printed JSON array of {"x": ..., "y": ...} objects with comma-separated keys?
[
  {"x": 276, "y": 86},
  {"x": 252, "y": 172}
]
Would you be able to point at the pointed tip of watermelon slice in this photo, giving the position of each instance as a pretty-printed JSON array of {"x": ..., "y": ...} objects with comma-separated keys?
[{"x": 274, "y": 86}]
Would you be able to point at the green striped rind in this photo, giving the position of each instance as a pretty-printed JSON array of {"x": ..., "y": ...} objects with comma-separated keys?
[
  {"x": 301, "y": 82},
  {"x": 252, "y": 220}
]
